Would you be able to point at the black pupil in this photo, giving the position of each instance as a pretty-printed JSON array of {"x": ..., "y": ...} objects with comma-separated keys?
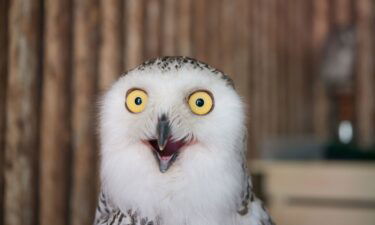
[
  {"x": 199, "y": 102},
  {"x": 138, "y": 100}
]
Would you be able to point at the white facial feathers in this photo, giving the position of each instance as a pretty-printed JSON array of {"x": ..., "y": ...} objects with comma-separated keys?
[{"x": 207, "y": 176}]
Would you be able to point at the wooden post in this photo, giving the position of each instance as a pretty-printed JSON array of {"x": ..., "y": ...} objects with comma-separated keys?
[
  {"x": 272, "y": 68},
  {"x": 213, "y": 44},
  {"x": 321, "y": 101},
  {"x": 242, "y": 55},
  {"x": 23, "y": 85},
  {"x": 295, "y": 90},
  {"x": 55, "y": 128},
  {"x": 255, "y": 110},
  {"x": 306, "y": 104},
  {"x": 226, "y": 34},
  {"x": 199, "y": 27},
  {"x": 263, "y": 73},
  {"x": 134, "y": 32},
  {"x": 342, "y": 12},
  {"x": 4, "y": 7},
  {"x": 282, "y": 55},
  {"x": 169, "y": 28},
  {"x": 86, "y": 32},
  {"x": 365, "y": 78},
  {"x": 152, "y": 37},
  {"x": 184, "y": 29},
  {"x": 111, "y": 48}
]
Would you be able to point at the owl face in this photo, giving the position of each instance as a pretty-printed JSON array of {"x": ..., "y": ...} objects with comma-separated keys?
[{"x": 171, "y": 110}]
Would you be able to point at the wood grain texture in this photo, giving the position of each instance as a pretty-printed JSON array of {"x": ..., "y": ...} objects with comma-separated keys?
[
  {"x": 342, "y": 12},
  {"x": 85, "y": 72},
  {"x": 112, "y": 42},
  {"x": 184, "y": 28},
  {"x": 152, "y": 37},
  {"x": 3, "y": 87},
  {"x": 365, "y": 79},
  {"x": 22, "y": 133},
  {"x": 169, "y": 43},
  {"x": 55, "y": 129},
  {"x": 242, "y": 56},
  {"x": 309, "y": 190},
  {"x": 199, "y": 29},
  {"x": 213, "y": 33},
  {"x": 134, "y": 19},
  {"x": 272, "y": 68},
  {"x": 321, "y": 101},
  {"x": 282, "y": 58},
  {"x": 225, "y": 36},
  {"x": 254, "y": 111}
]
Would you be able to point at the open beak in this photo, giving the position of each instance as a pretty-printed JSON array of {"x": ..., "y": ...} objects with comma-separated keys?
[
  {"x": 163, "y": 130},
  {"x": 164, "y": 147}
]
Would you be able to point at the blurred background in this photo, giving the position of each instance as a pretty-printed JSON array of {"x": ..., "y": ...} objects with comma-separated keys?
[{"x": 305, "y": 68}]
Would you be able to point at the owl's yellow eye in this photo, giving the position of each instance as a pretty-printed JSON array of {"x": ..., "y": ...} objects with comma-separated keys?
[
  {"x": 136, "y": 100},
  {"x": 201, "y": 102}
]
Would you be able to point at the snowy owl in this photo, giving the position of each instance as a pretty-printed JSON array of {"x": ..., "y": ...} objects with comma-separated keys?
[{"x": 173, "y": 142}]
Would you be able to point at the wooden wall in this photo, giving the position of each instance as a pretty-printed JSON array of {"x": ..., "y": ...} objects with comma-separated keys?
[{"x": 57, "y": 57}]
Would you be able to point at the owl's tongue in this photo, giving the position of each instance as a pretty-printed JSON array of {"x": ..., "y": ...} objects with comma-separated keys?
[
  {"x": 171, "y": 147},
  {"x": 169, "y": 153}
]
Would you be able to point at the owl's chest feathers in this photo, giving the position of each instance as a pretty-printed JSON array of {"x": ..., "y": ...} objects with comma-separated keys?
[
  {"x": 183, "y": 200},
  {"x": 195, "y": 190}
]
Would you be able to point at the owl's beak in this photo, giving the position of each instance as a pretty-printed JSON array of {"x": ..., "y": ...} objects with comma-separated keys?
[
  {"x": 164, "y": 147},
  {"x": 163, "y": 131}
]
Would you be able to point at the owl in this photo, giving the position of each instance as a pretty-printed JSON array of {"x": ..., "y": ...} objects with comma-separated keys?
[{"x": 173, "y": 142}]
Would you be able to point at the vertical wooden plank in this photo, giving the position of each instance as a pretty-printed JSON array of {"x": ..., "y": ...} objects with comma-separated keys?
[
  {"x": 226, "y": 36},
  {"x": 308, "y": 69},
  {"x": 305, "y": 85},
  {"x": 22, "y": 106},
  {"x": 295, "y": 89},
  {"x": 289, "y": 92},
  {"x": 365, "y": 78},
  {"x": 272, "y": 68},
  {"x": 342, "y": 12},
  {"x": 169, "y": 28},
  {"x": 86, "y": 32},
  {"x": 213, "y": 43},
  {"x": 3, "y": 87},
  {"x": 321, "y": 101},
  {"x": 184, "y": 36},
  {"x": 283, "y": 60},
  {"x": 134, "y": 32},
  {"x": 242, "y": 56},
  {"x": 241, "y": 47},
  {"x": 152, "y": 37},
  {"x": 55, "y": 128},
  {"x": 291, "y": 65},
  {"x": 111, "y": 54},
  {"x": 263, "y": 73},
  {"x": 252, "y": 132},
  {"x": 256, "y": 130},
  {"x": 199, "y": 27}
]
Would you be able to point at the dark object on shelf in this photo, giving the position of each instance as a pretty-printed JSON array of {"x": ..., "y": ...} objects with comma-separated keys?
[{"x": 339, "y": 151}]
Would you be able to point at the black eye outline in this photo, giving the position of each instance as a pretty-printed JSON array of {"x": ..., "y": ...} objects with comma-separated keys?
[
  {"x": 130, "y": 91},
  {"x": 201, "y": 90}
]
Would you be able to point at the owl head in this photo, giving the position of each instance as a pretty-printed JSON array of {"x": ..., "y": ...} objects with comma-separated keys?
[
  {"x": 170, "y": 123},
  {"x": 168, "y": 106}
]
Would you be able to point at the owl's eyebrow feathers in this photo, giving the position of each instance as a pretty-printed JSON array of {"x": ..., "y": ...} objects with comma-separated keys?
[{"x": 167, "y": 63}]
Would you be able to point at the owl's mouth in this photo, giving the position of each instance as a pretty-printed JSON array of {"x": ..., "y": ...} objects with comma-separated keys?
[
  {"x": 165, "y": 147},
  {"x": 168, "y": 155}
]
